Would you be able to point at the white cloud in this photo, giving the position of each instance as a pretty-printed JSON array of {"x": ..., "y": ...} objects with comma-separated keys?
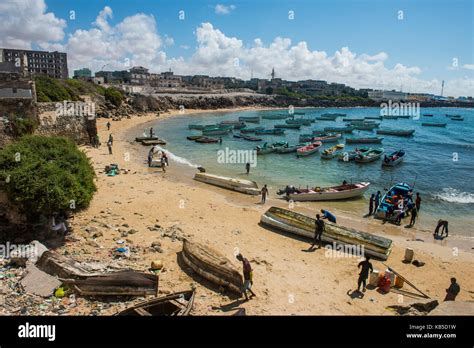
[
  {"x": 468, "y": 66},
  {"x": 223, "y": 9}
]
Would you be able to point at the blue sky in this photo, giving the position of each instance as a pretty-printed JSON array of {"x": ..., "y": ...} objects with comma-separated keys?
[{"x": 366, "y": 35}]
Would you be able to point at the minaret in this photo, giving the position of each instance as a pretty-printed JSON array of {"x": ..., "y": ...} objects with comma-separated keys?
[
  {"x": 273, "y": 73},
  {"x": 442, "y": 87}
]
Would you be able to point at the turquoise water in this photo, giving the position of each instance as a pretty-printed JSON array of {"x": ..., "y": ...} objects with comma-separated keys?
[{"x": 446, "y": 185}]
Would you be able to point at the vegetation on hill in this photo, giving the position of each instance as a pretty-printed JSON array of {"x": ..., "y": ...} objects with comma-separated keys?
[{"x": 43, "y": 175}]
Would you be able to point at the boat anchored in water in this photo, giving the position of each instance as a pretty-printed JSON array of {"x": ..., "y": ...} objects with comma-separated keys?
[
  {"x": 370, "y": 156},
  {"x": 396, "y": 132},
  {"x": 309, "y": 149},
  {"x": 393, "y": 159}
]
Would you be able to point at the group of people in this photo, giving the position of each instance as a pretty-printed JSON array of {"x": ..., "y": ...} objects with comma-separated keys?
[
  {"x": 399, "y": 206},
  {"x": 320, "y": 227},
  {"x": 155, "y": 150}
]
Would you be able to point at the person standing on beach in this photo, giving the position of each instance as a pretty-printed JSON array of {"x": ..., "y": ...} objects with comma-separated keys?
[
  {"x": 264, "y": 193},
  {"x": 377, "y": 201},
  {"x": 443, "y": 224},
  {"x": 452, "y": 291},
  {"x": 151, "y": 132},
  {"x": 163, "y": 163},
  {"x": 371, "y": 204},
  {"x": 318, "y": 232},
  {"x": 247, "y": 167},
  {"x": 108, "y": 125},
  {"x": 166, "y": 158},
  {"x": 111, "y": 138},
  {"x": 248, "y": 276},
  {"x": 414, "y": 214},
  {"x": 97, "y": 141},
  {"x": 109, "y": 145},
  {"x": 364, "y": 273},
  {"x": 418, "y": 201},
  {"x": 220, "y": 140}
]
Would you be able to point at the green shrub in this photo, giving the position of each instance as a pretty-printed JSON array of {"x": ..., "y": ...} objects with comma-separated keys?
[
  {"x": 114, "y": 96},
  {"x": 23, "y": 126},
  {"x": 43, "y": 175}
]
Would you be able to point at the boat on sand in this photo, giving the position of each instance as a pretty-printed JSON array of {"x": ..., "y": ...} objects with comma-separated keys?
[
  {"x": 330, "y": 193},
  {"x": 352, "y": 239},
  {"x": 240, "y": 185}
]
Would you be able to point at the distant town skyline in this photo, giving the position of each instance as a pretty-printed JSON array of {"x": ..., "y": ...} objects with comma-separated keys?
[{"x": 406, "y": 45}]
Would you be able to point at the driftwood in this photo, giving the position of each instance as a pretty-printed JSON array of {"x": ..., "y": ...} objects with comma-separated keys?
[
  {"x": 406, "y": 281},
  {"x": 64, "y": 267},
  {"x": 212, "y": 265}
]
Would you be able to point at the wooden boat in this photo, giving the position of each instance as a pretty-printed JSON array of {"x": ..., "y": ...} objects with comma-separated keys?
[
  {"x": 275, "y": 117},
  {"x": 347, "y": 129},
  {"x": 432, "y": 124},
  {"x": 306, "y": 138},
  {"x": 328, "y": 138},
  {"x": 457, "y": 118},
  {"x": 335, "y": 114},
  {"x": 289, "y": 126},
  {"x": 251, "y": 130},
  {"x": 153, "y": 142},
  {"x": 364, "y": 140},
  {"x": 449, "y": 115},
  {"x": 274, "y": 131},
  {"x": 232, "y": 124},
  {"x": 206, "y": 140},
  {"x": 372, "y": 118},
  {"x": 393, "y": 159},
  {"x": 299, "y": 113},
  {"x": 216, "y": 131},
  {"x": 386, "y": 202},
  {"x": 302, "y": 225},
  {"x": 365, "y": 126},
  {"x": 300, "y": 121},
  {"x": 329, "y": 117},
  {"x": 177, "y": 304},
  {"x": 321, "y": 118},
  {"x": 350, "y": 119},
  {"x": 140, "y": 139},
  {"x": 397, "y": 132},
  {"x": 404, "y": 116},
  {"x": 428, "y": 115},
  {"x": 332, "y": 151},
  {"x": 194, "y": 137},
  {"x": 289, "y": 148},
  {"x": 249, "y": 138},
  {"x": 250, "y": 119},
  {"x": 308, "y": 149},
  {"x": 265, "y": 149},
  {"x": 370, "y": 156},
  {"x": 390, "y": 117},
  {"x": 212, "y": 265},
  {"x": 351, "y": 155},
  {"x": 201, "y": 126},
  {"x": 330, "y": 193},
  {"x": 240, "y": 185}
]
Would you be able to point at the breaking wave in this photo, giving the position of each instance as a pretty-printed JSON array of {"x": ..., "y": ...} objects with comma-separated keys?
[
  {"x": 178, "y": 159},
  {"x": 455, "y": 196}
]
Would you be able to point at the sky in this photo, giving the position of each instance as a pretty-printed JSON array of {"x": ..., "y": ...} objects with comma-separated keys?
[{"x": 384, "y": 44}]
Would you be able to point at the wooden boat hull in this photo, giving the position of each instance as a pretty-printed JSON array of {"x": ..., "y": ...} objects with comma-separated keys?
[
  {"x": 216, "y": 131},
  {"x": 140, "y": 139},
  {"x": 302, "y": 122},
  {"x": 399, "y": 188},
  {"x": 251, "y": 130},
  {"x": 328, "y": 139},
  {"x": 306, "y": 151},
  {"x": 240, "y": 185},
  {"x": 399, "y": 133},
  {"x": 251, "y": 138},
  {"x": 339, "y": 129},
  {"x": 370, "y": 156},
  {"x": 375, "y": 140},
  {"x": 357, "y": 190},
  {"x": 299, "y": 224},
  {"x": 426, "y": 124},
  {"x": 153, "y": 142},
  {"x": 250, "y": 119},
  {"x": 288, "y": 126},
  {"x": 351, "y": 155},
  {"x": 275, "y": 131},
  {"x": 177, "y": 304},
  {"x": 206, "y": 140},
  {"x": 212, "y": 265}
]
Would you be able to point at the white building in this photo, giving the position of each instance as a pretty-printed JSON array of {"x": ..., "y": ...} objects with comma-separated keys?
[{"x": 387, "y": 95}]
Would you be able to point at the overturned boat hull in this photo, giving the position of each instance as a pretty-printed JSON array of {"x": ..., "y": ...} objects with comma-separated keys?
[{"x": 240, "y": 185}]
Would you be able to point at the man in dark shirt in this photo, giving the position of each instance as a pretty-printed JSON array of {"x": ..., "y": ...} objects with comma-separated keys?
[
  {"x": 364, "y": 273},
  {"x": 414, "y": 214},
  {"x": 318, "y": 232},
  {"x": 452, "y": 291},
  {"x": 247, "y": 167},
  {"x": 248, "y": 275},
  {"x": 371, "y": 204}
]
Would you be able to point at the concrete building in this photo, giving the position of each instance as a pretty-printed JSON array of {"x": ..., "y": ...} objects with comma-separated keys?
[
  {"x": 83, "y": 73},
  {"x": 52, "y": 64},
  {"x": 387, "y": 95}
]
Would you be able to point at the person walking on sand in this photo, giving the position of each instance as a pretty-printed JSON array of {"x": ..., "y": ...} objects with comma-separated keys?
[
  {"x": 247, "y": 167},
  {"x": 108, "y": 125},
  {"x": 97, "y": 141},
  {"x": 248, "y": 276},
  {"x": 414, "y": 214},
  {"x": 111, "y": 138},
  {"x": 418, "y": 201},
  {"x": 163, "y": 164},
  {"x": 318, "y": 232},
  {"x": 264, "y": 193},
  {"x": 109, "y": 145},
  {"x": 366, "y": 267},
  {"x": 377, "y": 201},
  {"x": 443, "y": 225},
  {"x": 452, "y": 291},
  {"x": 371, "y": 204},
  {"x": 166, "y": 158}
]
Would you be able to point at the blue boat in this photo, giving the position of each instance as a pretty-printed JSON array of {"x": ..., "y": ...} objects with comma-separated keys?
[
  {"x": 274, "y": 131},
  {"x": 389, "y": 201}
]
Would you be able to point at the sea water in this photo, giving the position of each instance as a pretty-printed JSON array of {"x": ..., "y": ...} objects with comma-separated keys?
[{"x": 439, "y": 162}]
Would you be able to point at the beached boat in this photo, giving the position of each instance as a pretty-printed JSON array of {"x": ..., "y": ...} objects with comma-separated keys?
[
  {"x": 275, "y": 117},
  {"x": 332, "y": 151},
  {"x": 274, "y": 131},
  {"x": 433, "y": 124},
  {"x": 217, "y": 131},
  {"x": 249, "y": 138},
  {"x": 392, "y": 197},
  {"x": 370, "y": 156},
  {"x": 328, "y": 138},
  {"x": 289, "y": 148},
  {"x": 347, "y": 156},
  {"x": 347, "y": 129},
  {"x": 194, "y": 137},
  {"x": 330, "y": 193},
  {"x": 308, "y": 149},
  {"x": 177, "y": 304},
  {"x": 302, "y": 225},
  {"x": 397, "y": 132},
  {"x": 364, "y": 140},
  {"x": 288, "y": 126},
  {"x": 153, "y": 142},
  {"x": 206, "y": 140},
  {"x": 240, "y": 185},
  {"x": 394, "y": 158},
  {"x": 212, "y": 265},
  {"x": 300, "y": 121},
  {"x": 140, "y": 139},
  {"x": 251, "y": 130},
  {"x": 250, "y": 119}
]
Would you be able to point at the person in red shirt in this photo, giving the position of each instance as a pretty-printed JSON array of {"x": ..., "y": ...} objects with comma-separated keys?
[
  {"x": 248, "y": 275},
  {"x": 418, "y": 201}
]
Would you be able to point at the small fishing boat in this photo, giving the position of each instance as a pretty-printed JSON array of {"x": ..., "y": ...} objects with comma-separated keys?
[
  {"x": 289, "y": 148},
  {"x": 397, "y": 132},
  {"x": 370, "y": 156},
  {"x": 250, "y": 119},
  {"x": 365, "y": 126},
  {"x": 276, "y": 117},
  {"x": 393, "y": 159},
  {"x": 177, "y": 304},
  {"x": 390, "y": 117},
  {"x": 308, "y": 149},
  {"x": 300, "y": 121},
  {"x": 332, "y": 151},
  {"x": 433, "y": 124},
  {"x": 289, "y": 126},
  {"x": 331, "y": 193},
  {"x": 292, "y": 222},
  {"x": 153, "y": 142},
  {"x": 389, "y": 201},
  {"x": 194, "y": 137},
  {"x": 299, "y": 113},
  {"x": 347, "y": 129},
  {"x": 236, "y": 184},
  {"x": 372, "y": 118},
  {"x": 328, "y": 138},
  {"x": 350, "y": 119},
  {"x": 428, "y": 115},
  {"x": 364, "y": 140},
  {"x": 217, "y": 131},
  {"x": 206, "y": 140},
  {"x": 449, "y": 115},
  {"x": 274, "y": 131},
  {"x": 306, "y": 138},
  {"x": 347, "y": 156},
  {"x": 201, "y": 126},
  {"x": 457, "y": 118},
  {"x": 249, "y": 138},
  {"x": 321, "y": 118},
  {"x": 331, "y": 116},
  {"x": 404, "y": 116},
  {"x": 233, "y": 124},
  {"x": 251, "y": 130},
  {"x": 140, "y": 139},
  {"x": 264, "y": 149},
  {"x": 212, "y": 265}
]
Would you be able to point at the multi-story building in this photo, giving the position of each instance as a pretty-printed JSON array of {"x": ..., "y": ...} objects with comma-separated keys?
[
  {"x": 387, "y": 95},
  {"x": 52, "y": 64},
  {"x": 83, "y": 73}
]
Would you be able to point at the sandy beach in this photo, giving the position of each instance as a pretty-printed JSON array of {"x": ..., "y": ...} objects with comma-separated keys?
[{"x": 287, "y": 278}]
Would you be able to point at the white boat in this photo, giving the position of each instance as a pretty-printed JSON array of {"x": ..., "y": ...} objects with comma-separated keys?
[
  {"x": 330, "y": 193},
  {"x": 248, "y": 187}
]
